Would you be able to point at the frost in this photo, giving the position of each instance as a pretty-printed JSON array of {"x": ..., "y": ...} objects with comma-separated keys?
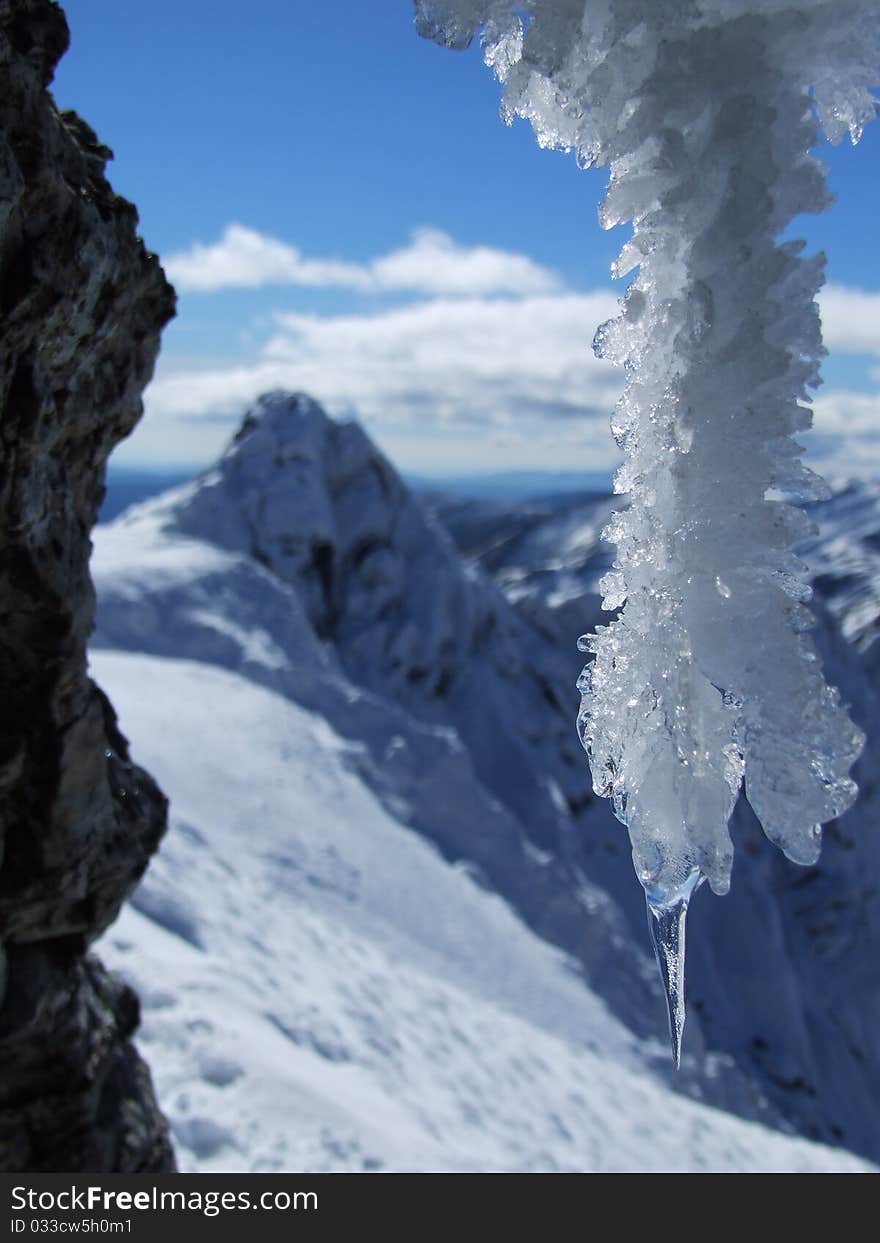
[{"x": 705, "y": 113}]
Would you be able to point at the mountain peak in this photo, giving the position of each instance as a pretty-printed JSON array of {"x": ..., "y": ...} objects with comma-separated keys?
[
  {"x": 280, "y": 414},
  {"x": 311, "y": 499},
  {"x": 286, "y": 433}
]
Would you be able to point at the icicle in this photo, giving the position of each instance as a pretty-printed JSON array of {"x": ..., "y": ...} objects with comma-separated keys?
[
  {"x": 667, "y": 922},
  {"x": 706, "y": 683}
]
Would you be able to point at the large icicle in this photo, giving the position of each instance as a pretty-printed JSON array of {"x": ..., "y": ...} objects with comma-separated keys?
[
  {"x": 705, "y": 111},
  {"x": 667, "y": 925}
]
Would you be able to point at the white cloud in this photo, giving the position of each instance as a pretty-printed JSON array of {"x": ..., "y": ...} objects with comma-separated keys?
[
  {"x": 469, "y": 368},
  {"x": 244, "y": 258},
  {"x": 844, "y": 413},
  {"x": 850, "y": 319},
  {"x": 432, "y": 263},
  {"x": 844, "y": 441},
  {"x": 452, "y": 360}
]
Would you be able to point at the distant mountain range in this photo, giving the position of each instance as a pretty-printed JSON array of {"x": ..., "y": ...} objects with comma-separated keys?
[
  {"x": 387, "y": 864},
  {"x": 128, "y": 486}
]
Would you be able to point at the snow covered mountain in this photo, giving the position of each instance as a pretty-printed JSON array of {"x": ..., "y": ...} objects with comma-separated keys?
[
  {"x": 378, "y": 802},
  {"x": 303, "y": 562}
]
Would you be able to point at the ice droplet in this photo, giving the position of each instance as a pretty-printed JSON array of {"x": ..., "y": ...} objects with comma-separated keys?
[{"x": 667, "y": 923}]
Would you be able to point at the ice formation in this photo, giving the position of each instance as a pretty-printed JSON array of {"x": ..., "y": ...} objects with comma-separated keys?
[{"x": 705, "y": 112}]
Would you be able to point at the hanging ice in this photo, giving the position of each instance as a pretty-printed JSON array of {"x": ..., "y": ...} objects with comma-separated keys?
[{"x": 705, "y": 111}]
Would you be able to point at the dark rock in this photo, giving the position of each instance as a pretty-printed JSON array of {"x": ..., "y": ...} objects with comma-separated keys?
[{"x": 81, "y": 307}]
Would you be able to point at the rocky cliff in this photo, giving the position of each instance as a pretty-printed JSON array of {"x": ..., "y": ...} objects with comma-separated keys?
[{"x": 81, "y": 308}]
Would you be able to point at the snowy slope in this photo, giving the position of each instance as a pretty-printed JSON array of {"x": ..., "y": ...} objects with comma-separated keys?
[
  {"x": 545, "y": 554},
  {"x": 844, "y": 559},
  {"x": 302, "y": 564},
  {"x": 322, "y": 991}
]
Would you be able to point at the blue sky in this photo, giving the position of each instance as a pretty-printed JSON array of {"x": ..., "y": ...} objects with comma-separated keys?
[{"x": 443, "y": 276}]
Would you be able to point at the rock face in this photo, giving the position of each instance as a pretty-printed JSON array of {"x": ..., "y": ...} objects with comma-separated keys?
[{"x": 81, "y": 308}]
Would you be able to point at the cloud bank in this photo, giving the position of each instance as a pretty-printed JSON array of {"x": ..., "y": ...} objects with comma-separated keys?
[
  {"x": 432, "y": 263},
  {"x": 850, "y": 320},
  {"x": 489, "y": 362}
]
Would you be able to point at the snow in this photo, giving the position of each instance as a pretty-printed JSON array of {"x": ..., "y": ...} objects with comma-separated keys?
[
  {"x": 783, "y": 994},
  {"x": 321, "y": 990},
  {"x": 707, "y": 681}
]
